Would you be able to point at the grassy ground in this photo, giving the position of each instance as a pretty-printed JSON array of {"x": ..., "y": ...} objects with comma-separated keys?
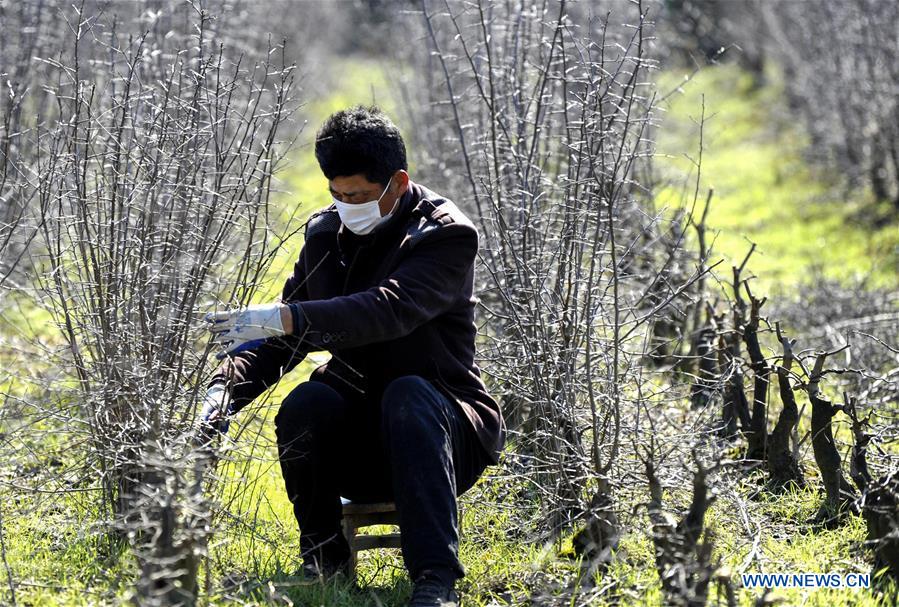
[
  {"x": 802, "y": 220},
  {"x": 764, "y": 192}
]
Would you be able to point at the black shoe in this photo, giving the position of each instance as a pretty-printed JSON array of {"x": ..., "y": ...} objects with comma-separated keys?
[{"x": 431, "y": 591}]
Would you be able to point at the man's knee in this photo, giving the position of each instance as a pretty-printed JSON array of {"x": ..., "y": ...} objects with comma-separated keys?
[
  {"x": 408, "y": 400},
  {"x": 308, "y": 406}
]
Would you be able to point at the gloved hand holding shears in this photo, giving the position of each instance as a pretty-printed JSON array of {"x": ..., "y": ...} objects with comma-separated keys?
[
  {"x": 216, "y": 409},
  {"x": 236, "y": 331}
]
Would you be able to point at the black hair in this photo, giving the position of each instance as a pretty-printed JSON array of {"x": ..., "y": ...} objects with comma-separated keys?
[{"x": 360, "y": 140}]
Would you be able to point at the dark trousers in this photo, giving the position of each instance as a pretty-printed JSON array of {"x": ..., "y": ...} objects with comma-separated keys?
[{"x": 414, "y": 447}]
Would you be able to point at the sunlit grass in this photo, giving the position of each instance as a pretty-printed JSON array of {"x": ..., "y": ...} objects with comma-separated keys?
[{"x": 801, "y": 218}]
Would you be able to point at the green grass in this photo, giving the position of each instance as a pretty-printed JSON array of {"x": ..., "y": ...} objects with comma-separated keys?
[{"x": 801, "y": 218}]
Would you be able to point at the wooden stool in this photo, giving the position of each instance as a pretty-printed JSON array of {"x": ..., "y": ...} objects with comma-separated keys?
[{"x": 356, "y": 516}]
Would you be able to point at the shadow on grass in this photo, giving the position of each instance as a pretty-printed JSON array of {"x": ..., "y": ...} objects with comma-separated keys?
[{"x": 283, "y": 588}]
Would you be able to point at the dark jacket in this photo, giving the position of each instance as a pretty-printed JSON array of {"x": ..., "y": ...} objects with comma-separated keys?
[{"x": 396, "y": 302}]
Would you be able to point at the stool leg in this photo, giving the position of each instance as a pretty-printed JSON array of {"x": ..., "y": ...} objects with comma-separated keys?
[{"x": 349, "y": 532}]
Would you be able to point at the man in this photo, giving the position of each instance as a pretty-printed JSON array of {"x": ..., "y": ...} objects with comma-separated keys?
[{"x": 384, "y": 283}]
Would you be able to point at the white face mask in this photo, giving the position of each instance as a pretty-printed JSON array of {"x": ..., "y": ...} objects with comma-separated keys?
[{"x": 361, "y": 218}]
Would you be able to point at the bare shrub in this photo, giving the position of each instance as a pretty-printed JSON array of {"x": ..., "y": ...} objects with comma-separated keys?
[
  {"x": 683, "y": 548},
  {"x": 879, "y": 500},
  {"x": 26, "y": 107},
  {"x": 549, "y": 109},
  {"x": 156, "y": 175},
  {"x": 841, "y": 68}
]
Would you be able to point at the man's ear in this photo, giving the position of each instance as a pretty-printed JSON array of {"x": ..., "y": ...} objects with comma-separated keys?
[{"x": 401, "y": 178}]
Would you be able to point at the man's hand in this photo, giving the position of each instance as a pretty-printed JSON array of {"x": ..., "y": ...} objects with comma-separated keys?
[
  {"x": 216, "y": 408},
  {"x": 243, "y": 329}
]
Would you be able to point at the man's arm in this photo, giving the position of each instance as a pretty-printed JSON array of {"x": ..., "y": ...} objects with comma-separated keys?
[
  {"x": 251, "y": 372},
  {"x": 424, "y": 285}
]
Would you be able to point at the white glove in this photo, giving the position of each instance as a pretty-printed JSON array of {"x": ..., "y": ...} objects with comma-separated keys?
[
  {"x": 216, "y": 408},
  {"x": 243, "y": 329}
]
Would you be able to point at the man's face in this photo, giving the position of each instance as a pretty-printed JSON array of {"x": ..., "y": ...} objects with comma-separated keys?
[{"x": 356, "y": 189}]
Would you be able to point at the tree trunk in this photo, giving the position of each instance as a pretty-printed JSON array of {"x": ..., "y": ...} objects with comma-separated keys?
[
  {"x": 838, "y": 492},
  {"x": 783, "y": 468},
  {"x": 880, "y": 499},
  {"x": 758, "y": 434},
  {"x": 703, "y": 389}
]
